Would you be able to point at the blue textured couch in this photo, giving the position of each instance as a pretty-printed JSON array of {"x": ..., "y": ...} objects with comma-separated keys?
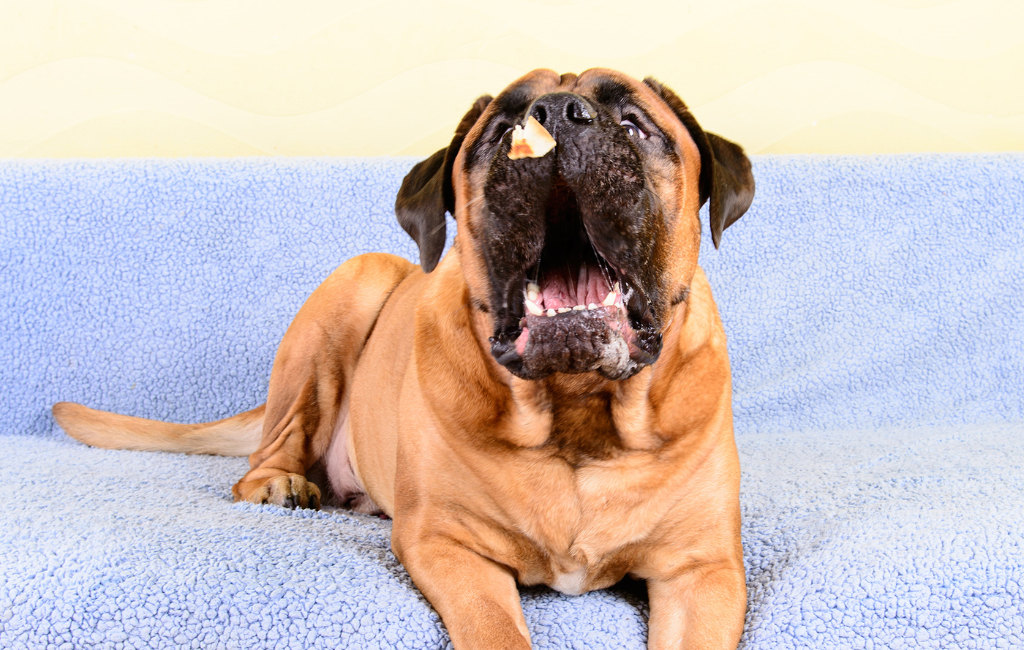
[{"x": 875, "y": 313}]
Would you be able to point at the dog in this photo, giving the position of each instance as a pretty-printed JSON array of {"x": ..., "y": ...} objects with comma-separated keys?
[{"x": 548, "y": 404}]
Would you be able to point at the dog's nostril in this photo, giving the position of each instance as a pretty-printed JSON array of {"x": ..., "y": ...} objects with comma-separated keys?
[
  {"x": 540, "y": 114},
  {"x": 577, "y": 112}
]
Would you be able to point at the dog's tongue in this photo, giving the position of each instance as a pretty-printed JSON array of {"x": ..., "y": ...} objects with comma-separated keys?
[{"x": 524, "y": 337}]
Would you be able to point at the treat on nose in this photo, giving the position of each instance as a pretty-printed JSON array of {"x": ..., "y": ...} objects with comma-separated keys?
[{"x": 531, "y": 141}]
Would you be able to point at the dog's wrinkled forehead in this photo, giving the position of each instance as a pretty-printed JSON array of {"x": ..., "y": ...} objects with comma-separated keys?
[{"x": 607, "y": 90}]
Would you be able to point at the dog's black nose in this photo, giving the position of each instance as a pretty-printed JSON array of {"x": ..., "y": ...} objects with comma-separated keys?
[{"x": 556, "y": 109}]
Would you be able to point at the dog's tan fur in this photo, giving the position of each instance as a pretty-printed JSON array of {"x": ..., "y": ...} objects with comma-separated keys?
[{"x": 573, "y": 481}]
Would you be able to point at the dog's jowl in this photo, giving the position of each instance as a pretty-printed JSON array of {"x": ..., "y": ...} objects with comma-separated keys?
[{"x": 548, "y": 404}]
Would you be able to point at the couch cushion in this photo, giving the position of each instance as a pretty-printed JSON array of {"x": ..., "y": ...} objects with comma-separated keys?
[{"x": 880, "y": 539}]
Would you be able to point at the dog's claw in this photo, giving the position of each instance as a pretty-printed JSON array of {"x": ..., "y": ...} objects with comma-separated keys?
[{"x": 288, "y": 491}]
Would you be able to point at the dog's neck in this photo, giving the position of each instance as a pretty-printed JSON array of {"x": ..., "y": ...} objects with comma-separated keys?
[{"x": 582, "y": 416}]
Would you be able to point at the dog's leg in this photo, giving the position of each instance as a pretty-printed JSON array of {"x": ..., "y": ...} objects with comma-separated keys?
[
  {"x": 701, "y": 609},
  {"x": 309, "y": 382},
  {"x": 476, "y": 598}
]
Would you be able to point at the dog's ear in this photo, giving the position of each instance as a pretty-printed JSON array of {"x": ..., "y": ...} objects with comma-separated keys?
[
  {"x": 427, "y": 193},
  {"x": 420, "y": 208},
  {"x": 725, "y": 174}
]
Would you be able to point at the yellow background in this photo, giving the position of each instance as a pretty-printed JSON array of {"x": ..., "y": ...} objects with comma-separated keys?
[{"x": 314, "y": 77}]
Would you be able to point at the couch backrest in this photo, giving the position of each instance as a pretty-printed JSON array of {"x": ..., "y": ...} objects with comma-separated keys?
[{"x": 857, "y": 292}]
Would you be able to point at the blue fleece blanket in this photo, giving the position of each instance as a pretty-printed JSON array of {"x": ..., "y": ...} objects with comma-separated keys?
[{"x": 874, "y": 308}]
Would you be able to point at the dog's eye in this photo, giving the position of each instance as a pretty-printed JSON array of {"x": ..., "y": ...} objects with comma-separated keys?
[{"x": 633, "y": 130}]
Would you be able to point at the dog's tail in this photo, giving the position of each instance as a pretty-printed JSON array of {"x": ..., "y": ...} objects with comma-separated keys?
[{"x": 238, "y": 435}]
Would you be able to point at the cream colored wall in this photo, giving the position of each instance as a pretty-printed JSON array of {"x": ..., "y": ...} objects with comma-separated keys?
[{"x": 313, "y": 77}]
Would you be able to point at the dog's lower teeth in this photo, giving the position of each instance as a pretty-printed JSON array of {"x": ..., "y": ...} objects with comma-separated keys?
[{"x": 533, "y": 293}]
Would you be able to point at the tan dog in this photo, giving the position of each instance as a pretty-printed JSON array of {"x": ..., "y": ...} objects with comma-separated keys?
[{"x": 552, "y": 403}]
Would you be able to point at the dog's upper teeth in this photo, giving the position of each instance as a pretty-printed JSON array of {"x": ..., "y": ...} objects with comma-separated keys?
[
  {"x": 533, "y": 308},
  {"x": 610, "y": 300}
]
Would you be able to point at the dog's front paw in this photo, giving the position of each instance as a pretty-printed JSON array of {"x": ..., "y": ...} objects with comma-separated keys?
[{"x": 287, "y": 491}]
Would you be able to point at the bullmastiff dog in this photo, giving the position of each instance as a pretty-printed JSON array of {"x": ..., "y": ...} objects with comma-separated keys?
[{"x": 551, "y": 402}]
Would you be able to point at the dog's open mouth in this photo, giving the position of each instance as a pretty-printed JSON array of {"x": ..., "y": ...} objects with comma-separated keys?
[{"x": 577, "y": 310}]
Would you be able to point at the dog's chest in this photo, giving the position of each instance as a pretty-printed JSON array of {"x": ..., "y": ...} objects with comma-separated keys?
[
  {"x": 572, "y": 583},
  {"x": 588, "y": 531}
]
